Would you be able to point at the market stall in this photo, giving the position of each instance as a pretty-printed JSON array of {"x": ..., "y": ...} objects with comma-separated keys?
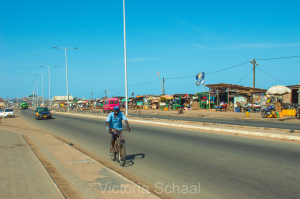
[
  {"x": 237, "y": 97},
  {"x": 153, "y": 102},
  {"x": 181, "y": 100},
  {"x": 165, "y": 101}
]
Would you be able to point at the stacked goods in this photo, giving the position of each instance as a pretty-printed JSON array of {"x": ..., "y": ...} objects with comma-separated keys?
[
  {"x": 289, "y": 112},
  {"x": 278, "y": 106}
]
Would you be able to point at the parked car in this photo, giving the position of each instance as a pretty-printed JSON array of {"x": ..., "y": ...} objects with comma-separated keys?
[
  {"x": 42, "y": 113},
  {"x": 9, "y": 112},
  {"x": 109, "y": 104},
  {"x": 2, "y": 113}
]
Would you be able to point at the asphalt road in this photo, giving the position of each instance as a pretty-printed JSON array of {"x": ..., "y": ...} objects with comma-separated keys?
[
  {"x": 226, "y": 166},
  {"x": 256, "y": 123}
]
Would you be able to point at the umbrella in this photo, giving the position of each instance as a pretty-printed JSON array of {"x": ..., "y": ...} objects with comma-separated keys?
[
  {"x": 152, "y": 98},
  {"x": 166, "y": 97},
  {"x": 278, "y": 90}
]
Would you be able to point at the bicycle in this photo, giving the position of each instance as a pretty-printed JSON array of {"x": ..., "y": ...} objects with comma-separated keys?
[{"x": 120, "y": 150}]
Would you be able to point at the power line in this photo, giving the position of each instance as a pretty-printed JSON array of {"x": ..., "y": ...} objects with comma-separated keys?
[
  {"x": 280, "y": 57},
  {"x": 270, "y": 75},
  {"x": 227, "y": 68},
  {"x": 245, "y": 76},
  {"x": 101, "y": 94},
  {"x": 180, "y": 77},
  {"x": 210, "y": 72},
  {"x": 145, "y": 83},
  {"x": 118, "y": 92}
]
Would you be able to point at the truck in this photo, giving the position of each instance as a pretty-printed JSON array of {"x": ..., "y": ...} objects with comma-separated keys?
[{"x": 24, "y": 105}]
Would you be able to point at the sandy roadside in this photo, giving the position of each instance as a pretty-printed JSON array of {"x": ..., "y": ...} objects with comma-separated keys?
[
  {"x": 77, "y": 172},
  {"x": 203, "y": 114}
]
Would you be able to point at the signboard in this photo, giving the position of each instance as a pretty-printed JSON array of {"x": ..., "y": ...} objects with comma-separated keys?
[
  {"x": 213, "y": 92},
  {"x": 139, "y": 103},
  {"x": 58, "y": 98},
  {"x": 200, "y": 79},
  {"x": 162, "y": 104}
]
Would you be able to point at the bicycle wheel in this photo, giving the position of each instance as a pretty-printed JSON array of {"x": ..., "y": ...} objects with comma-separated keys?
[
  {"x": 122, "y": 154},
  {"x": 112, "y": 155}
]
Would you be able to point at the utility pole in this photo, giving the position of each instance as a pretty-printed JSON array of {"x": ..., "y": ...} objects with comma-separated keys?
[
  {"x": 106, "y": 93},
  {"x": 254, "y": 63},
  {"x": 163, "y": 85}
]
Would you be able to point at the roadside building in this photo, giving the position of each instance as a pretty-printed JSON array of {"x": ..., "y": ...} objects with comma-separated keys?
[
  {"x": 294, "y": 96},
  {"x": 2, "y": 102}
]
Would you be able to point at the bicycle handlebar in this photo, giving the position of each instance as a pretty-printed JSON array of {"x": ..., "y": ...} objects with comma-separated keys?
[{"x": 122, "y": 129}]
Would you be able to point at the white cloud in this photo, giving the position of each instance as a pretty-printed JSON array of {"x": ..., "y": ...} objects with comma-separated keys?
[
  {"x": 246, "y": 46},
  {"x": 192, "y": 27}
]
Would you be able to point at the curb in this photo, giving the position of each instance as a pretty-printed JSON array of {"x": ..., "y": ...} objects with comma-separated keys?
[
  {"x": 262, "y": 134},
  {"x": 112, "y": 171}
]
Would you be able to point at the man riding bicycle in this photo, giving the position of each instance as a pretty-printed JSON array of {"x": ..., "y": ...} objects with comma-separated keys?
[{"x": 114, "y": 126}]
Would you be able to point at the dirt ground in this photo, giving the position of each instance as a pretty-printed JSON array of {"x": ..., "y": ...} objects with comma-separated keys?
[{"x": 212, "y": 113}]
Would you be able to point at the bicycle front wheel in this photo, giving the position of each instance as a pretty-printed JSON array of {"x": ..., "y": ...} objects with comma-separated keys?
[{"x": 122, "y": 154}]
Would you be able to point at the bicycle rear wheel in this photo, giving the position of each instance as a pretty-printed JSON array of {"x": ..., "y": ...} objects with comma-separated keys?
[
  {"x": 112, "y": 155},
  {"x": 122, "y": 154}
]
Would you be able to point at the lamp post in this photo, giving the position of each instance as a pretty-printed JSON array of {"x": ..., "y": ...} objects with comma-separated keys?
[
  {"x": 37, "y": 93},
  {"x": 42, "y": 86},
  {"x": 125, "y": 59},
  {"x": 49, "y": 84},
  {"x": 66, "y": 71}
]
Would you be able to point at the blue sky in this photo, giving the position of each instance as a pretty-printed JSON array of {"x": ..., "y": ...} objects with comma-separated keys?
[{"x": 176, "y": 38}]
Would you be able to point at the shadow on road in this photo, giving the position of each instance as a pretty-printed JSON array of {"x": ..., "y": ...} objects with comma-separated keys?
[{"x": 130, "y": 158}]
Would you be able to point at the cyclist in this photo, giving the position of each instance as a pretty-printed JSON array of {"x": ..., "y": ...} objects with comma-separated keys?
[{"x": 114, "y": 121}]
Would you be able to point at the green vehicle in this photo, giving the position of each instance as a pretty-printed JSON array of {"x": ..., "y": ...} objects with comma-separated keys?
[{"x": 24, "y": 105}]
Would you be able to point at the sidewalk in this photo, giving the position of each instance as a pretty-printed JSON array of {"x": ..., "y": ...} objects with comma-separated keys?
[
  {"x": 22, "y": 174},
  {"x": 35, "y": 164}
]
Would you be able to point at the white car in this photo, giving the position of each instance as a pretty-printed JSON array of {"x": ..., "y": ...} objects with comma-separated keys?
[
  {"x": 9, "y": 112},
  {"x": 2, "y": 113}
]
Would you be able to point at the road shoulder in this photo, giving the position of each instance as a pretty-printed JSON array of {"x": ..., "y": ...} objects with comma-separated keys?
[{"x": 76, "y": 174}]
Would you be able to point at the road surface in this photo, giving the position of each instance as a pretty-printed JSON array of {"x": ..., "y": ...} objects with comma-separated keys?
[{"x": 226, "y": 166}]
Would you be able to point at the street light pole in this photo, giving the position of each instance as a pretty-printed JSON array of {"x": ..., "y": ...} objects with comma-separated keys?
[
  {"x": 49, "y": 85},
  {"x": 37, "y": 95},
  {"x": 66, "y": 71},
  {"x": 125, "y": 59},
  {"x": 42, "y": 86}
]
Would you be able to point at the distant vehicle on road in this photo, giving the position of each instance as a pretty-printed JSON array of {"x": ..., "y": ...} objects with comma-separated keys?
[
  {"x": 9, "y": 112},
  {"x": 24, "y": 105},
  {"x": 1, "y": 112},
  {"x": 42, "y": 113},
  {"x": 110, "y": 103}
]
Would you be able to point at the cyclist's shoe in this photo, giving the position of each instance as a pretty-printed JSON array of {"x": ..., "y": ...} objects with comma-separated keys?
[{"x": 112, "y": 150}]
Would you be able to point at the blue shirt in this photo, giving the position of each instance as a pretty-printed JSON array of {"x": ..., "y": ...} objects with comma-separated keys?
[{"x": 115, "y": 123}]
